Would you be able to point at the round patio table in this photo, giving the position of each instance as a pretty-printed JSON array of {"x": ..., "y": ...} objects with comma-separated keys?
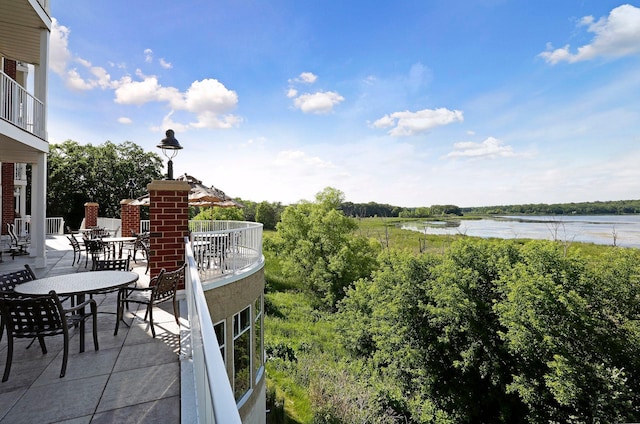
[{"x": 79, "y": 283}]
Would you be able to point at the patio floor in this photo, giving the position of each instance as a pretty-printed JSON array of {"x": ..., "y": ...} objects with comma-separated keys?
[{"x": 133, "y": 378}]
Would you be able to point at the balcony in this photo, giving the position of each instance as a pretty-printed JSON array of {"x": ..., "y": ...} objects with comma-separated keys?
[
  {"x": 20, "y": 108},
  {"x": 178, "y": 377}
]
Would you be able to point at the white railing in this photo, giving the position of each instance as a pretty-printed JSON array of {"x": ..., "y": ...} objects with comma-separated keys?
[
  {"x": 223, "y": 248},
  {"x": 23, "y": 226},
  {"x": 20, "y": 108},
  {"x": 215, "y": 402}
]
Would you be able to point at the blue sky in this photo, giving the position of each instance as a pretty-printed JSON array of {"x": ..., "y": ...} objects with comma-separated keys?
[{"x": 410, "y": 103}]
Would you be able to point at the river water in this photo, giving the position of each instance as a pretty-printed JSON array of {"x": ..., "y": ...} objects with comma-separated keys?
[{"x": 599, "y": 229}]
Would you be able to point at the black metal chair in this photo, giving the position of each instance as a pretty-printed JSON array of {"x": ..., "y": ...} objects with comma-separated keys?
[
  {"x": 111, "y": 264},
  {"x": 94, "y": 248},
  {"x": 10, "y": 280},
  {"x": 162, "y": 288},
  {"x": 43, "y": 316},
  {"x": 77, "y": 249},
  {"x": 18, "y": 246}
]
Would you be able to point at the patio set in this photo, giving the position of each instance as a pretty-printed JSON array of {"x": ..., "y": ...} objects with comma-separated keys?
[{"x": 37, "y": 308}]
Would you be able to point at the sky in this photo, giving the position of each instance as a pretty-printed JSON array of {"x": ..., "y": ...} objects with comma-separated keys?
[{"x": 408, "y": 103}]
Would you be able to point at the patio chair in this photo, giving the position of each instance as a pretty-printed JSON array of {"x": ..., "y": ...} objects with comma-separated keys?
[
  {"x": 121, "y": 264},
  {"x": 141, "y": 243},
  {"x": 162, "y": 288},
  {"x": 94, "y": 248},
  {"x": 10, "y": 280},
  {"x": 77, "y": 249},
  {"x": 40, "y": 317},
  {"x": 18, "y": 246}
]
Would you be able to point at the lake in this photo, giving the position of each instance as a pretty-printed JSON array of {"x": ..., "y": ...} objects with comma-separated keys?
[{"x": 599, "y": 229}]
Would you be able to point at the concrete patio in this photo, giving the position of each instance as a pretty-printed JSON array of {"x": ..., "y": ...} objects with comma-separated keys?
[{"x": 132, "y": 378}]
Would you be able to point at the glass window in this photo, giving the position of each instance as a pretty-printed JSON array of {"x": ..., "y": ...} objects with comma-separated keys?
[
  {"x": 258, "y": 359},
  {"x": 219, "y": 329},
  {"x": 241, "y": 353}
]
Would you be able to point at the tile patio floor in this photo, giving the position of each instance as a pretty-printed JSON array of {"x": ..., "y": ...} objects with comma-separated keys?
[{"x": 132, "y": 378}]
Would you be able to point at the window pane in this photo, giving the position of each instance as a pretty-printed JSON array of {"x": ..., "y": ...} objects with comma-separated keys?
[
  {"x": 241, "y": 365},
  {"x": 258, "y": 354}
]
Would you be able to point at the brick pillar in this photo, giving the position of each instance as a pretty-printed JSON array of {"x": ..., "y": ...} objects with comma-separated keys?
[
  {"x": 169, "y": 224},
  {"x": 8, "y": 207},
  {"x": 130, "y": 215},
  {"x": 90, "y": 214}
]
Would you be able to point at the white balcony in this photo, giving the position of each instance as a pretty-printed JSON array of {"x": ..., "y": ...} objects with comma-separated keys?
[{"x": 20, "y": 108}]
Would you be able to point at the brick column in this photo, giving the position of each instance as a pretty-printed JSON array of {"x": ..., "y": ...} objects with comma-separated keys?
[
  {"x": 90, "y": 214},
  {"x": 130, "y": 215},
  {"x": 169, "y": 223},
  {"x": 8, "y": 207}
]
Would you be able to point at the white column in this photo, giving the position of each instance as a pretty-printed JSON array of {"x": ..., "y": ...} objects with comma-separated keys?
[{"x": 39, "y": 210}]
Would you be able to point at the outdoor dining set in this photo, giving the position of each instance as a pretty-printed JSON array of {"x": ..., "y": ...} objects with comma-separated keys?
[{"x": 36, "y": 308}]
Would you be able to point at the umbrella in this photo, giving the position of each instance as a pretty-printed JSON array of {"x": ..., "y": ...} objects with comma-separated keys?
[{"x": 199, "y": 195}]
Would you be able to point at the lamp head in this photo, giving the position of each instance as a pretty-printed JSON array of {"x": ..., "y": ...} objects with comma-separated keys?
[{"x": 170, "y": 144}]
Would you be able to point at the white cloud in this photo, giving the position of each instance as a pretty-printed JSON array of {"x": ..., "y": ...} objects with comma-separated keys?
[
  {"x": 292, "y": 92},
  {"x": 491, "y": 148},
  {"x": 125, "y": 120},
  {"x": 411, "y": 123},
  {"x": 305, "y": 78},
  {"x": 165, "y": 64},
  {"x": 208, "y": 100},
  {"x": 615, "y": 36},
  {"x": 319, "y": 103},
  {"x": 59, "y": 54}
]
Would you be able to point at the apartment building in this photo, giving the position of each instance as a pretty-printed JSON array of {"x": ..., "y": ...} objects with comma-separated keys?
[{"x": 25, "y": 26}]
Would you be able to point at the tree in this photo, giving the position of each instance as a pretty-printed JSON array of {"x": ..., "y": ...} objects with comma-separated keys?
[
  {"x": 266, "y": 214},
  {"x": 81, "y": 173},
  {"x": 319, "y": 246}
]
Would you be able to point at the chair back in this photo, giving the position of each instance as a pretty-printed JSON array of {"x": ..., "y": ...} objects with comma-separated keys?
[
  {"x": 9, "y": 281},
  {"x": 74, "y": 243},
  {"x": 111, "y": 265},
  {"x": 33, "y": 316},
  {"x": 12, "y": 233},
  {"x": 165, "y": 285}
]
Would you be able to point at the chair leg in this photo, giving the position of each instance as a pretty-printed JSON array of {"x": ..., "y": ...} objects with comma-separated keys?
[
  {"x": 175, "y": 312},
  {"x": 42, "y": 345},
  {"x": 153, "y": 330},
  {"x": 7, "y": 367},
  {"x": 65, "y": 354}
]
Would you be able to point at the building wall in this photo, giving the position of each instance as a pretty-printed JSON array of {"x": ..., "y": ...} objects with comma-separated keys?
[{"x": 223, "y": 303}]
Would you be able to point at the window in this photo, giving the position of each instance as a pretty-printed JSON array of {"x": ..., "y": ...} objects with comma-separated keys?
[
  {"x": 242, "y": 353},
  {"x": 258, "y": 358},
  {"x": 220, "y": 331}
]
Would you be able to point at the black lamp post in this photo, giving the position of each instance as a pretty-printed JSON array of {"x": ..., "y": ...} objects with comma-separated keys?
[
  {"x": 131, "y": 186},
  {"x": 170, "y": 147}
]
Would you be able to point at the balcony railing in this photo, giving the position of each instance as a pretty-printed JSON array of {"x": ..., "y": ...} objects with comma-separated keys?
[
  {"x": 224, "y": 248},
  {"x": 23, "y": 226},
  {"x": 215, "y": 402},
  {"x": 20, "y": 108}
]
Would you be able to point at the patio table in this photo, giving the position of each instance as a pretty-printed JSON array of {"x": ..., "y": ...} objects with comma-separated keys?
[
  {"x": 78, "y": 284},
  {"x": 119, "y": 241}
]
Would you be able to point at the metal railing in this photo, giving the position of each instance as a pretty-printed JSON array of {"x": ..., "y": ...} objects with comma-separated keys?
[
  {"x": 225, "y": 247},
  {"x": 21, "y": 108},
  {"x": 23, "y": 226},
  {"x": 215, "y": 402}
]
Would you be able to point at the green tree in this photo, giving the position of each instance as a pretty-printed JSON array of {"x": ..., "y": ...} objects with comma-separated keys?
[
  {"x": 223, "y": 214},
  {"x": 266, "y": 214},
  {"x": 319, "y": 246},
  {"x": 80, "y": 173}
]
